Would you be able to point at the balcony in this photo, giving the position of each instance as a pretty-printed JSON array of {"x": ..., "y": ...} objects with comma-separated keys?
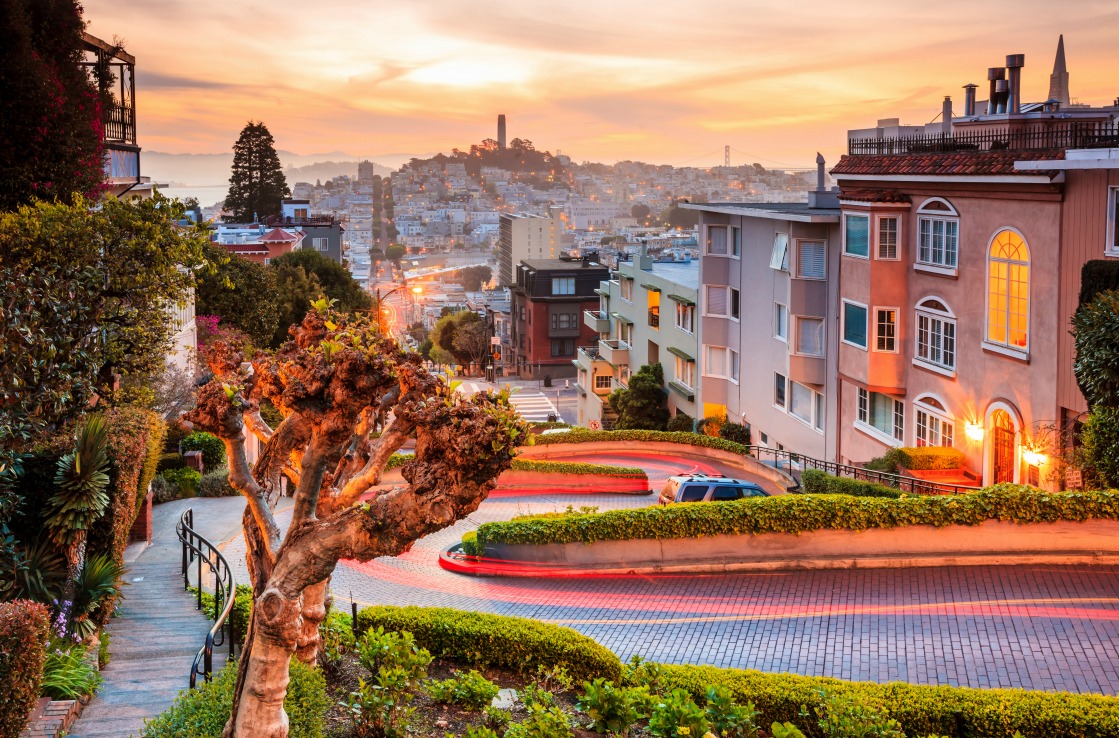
[
  {"x": 597, "y": 321},
  {"x": 807, "y": 369},
  {"x": 615, "y": 352},
  {"x": 585, "y": 358},
  {"x": 655, "y": 318}
]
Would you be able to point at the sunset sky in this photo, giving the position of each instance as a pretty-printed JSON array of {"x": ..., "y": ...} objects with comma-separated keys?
[{"x": 667, "y": 82}]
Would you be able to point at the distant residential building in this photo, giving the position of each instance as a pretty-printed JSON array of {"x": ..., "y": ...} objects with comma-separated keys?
[
  {"x": 257, "y": 242},
  {"x": 365, "y": 171},
  {"x": 647, "y": 313},
  {"x": 524, "y": 236},
  {"x": 548, "y": 301},
  {"x": 323, "y": 233}
]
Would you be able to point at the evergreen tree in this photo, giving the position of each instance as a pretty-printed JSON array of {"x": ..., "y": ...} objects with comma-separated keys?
[
  {"x": 644, "y": 404},
  {"x": 257, "y": 183}
]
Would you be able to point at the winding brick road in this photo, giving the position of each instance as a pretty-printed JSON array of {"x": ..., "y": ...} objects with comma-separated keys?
[{"x": 1050, "y": 628}]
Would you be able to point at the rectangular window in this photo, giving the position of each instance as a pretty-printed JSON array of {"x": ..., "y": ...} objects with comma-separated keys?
[
  {"x": 801, "y": 402},
  {"x": 937, "y": 241},
  {"x": 732, "y": 361},
  {"x": 885, "y": 327},
  {"x": 932, "y": 430},
  {"x": 882, "y": 413},
  {"x": 685, "y": 317},
  {"x": 854, "y": 324},
  {"x": 625, "y": 332},
  {"x": 888, "y": 238},
  {"x": 716, "y": 240},
  {"x": 810, "y": 260},
  {"x": 685, "y": 372},
  {"x": 779, "y": 390},
  {"x": 563, "y": 285},
  {"x": 626, "y": 289},
  {"x": 563, "y": 347},
  {"x": 722, "y": 301},
  {"x": 736, "y": 242},
  {"x": 715, "y": 361},
  {"x": 936, "y": 340},
  {"x": 320, "y": 244},
  {"x": 819, "y": 424},
  {"x": 810, "y": 336},
  {"x": 1113, "y": 221},
  {"x": 779, "y": 259},
  {"x": 856, "y": 235},
  {"x": 564, "y": 321},
  {"x": 602, "y": 381},
  {"x": 780, "y": 321}
]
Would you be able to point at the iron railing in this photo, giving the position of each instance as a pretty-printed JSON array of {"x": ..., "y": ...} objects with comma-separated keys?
[
  {"x": 198, "y": 551},
  {"x": 904, "y": 484},
  {"x": 1064, "y": 135}
]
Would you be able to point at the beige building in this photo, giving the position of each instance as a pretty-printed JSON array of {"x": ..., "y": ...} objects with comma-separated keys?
[{"x": 522, "y": 237}]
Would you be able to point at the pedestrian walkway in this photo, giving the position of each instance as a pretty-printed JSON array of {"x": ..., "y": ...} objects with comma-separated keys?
[
  {"x": 533, "y": 405},
  {"x": 159, "y": 631}
]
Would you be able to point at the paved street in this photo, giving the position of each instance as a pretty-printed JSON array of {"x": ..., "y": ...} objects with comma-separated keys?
[{"x": 1035, "y": 627}]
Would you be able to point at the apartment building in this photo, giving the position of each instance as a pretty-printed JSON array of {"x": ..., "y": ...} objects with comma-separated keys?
[
  {"x": 548, "y": 301},
  {"x": 646, "y": 314},
  {"x": 767, "y": 318},
  {"x": 324, "y": 233},
  {"x": 523, "y": 236}
]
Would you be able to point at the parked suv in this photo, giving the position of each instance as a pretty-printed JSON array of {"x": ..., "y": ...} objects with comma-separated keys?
[{"x": 702, "y": 488}]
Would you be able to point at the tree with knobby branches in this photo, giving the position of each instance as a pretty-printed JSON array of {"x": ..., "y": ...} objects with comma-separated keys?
[
  {"x": 331, "y": 382},
  {"x": 257, "y": 183}
]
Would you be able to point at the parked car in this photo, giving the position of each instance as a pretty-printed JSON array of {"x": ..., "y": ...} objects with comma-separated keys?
[
  {"x": 792, "y": 468},
  {"x": 704, "y": 488}
]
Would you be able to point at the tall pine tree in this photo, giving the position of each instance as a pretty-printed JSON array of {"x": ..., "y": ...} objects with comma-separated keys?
[{"x": 257, "y": 183}]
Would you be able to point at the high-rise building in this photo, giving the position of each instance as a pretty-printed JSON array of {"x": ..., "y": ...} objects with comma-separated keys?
[
  {"x": 525, "y": 236},
  {"x": 501, "y": 131},
  {"x": 365, "y": 171}
]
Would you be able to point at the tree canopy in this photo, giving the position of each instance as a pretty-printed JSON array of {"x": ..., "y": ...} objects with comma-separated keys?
[
  {"x": 644, "y": 404},
  {"x": 257, "y": 183},
  {"x": 336, "y": 281},
  {"x": 445, "y": 336},
  {"x": 1095, "y": 326},
  {"x": 473, "y": 277},
  {"x": 242, "y": 293}
]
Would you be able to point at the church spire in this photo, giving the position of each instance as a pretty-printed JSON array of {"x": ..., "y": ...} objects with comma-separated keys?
[{"x": 1058, "y": 81}]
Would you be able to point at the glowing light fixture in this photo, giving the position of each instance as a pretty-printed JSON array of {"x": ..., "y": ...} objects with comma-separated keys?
[
  {"x": 1033, "y": 458},
  {"x": 974, "y": 431}
]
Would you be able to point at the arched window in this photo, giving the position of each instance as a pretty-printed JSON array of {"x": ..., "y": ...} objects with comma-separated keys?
[
  {"x": 938, "y": 232},
  {"x": 934, "y": 424},
  {"x": 936, "y": 334},
  {"x": 1008, "y": 291}
]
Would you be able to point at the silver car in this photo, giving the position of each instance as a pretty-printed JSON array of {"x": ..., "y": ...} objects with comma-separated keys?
[{"x": 703, "y": 488}]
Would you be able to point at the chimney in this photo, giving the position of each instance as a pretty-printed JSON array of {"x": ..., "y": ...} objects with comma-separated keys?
[
  {"x": 969, "y": 99},
  {"x": 1002, "y": 93},
  {"x": 820, "y": 175},
  {"x": 1014, "y": 63},
  {"x": 994, "y": 74},
  {"x": 946, "y": 116},
  {"x": 644, "y": 261}
]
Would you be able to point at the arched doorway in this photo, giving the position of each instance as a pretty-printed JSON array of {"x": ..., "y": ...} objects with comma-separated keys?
[{"x": 1002, "y": 447}]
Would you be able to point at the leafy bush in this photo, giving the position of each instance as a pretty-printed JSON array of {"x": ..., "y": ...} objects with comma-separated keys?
[
  {"x": 337, "y": 634},
  {"x": 203, "y": 712},
  {"x": 817, "y": 482},
  {"x": 676, "y": 715},
  {"x": 484, "y": 640},
  {"x": 711, "y": 426},
  {"x": 641, "y": 673},
  {"x": 165, "y": 491},
  {"x": 24, "y": 630},
  {"x": 212, "y": 448},
  {"x": 571, "y": 467},
  {"x": 579, "y": 435},
  {"x": 924, "y": 458},
  {"x": 100, "y": 582},
  {"x": 680, "y": 423},
  {"x": 470, "y": 543},
  {"x": 1100, "y": 442},
  {"x": 614, "y": 709},
  {"x": 471, "y": 690},
  {"x": 736, "y": 432},
  {"x": 841, "y": 716},
  {"x": 542, "y": 722},
  {"x": 1096, "y": 276},
  {"x": 187, "y": 480},
  {"x": 382, "y": 709},
  {"x": 216, "y": 484},
  {"x": 170, "y": 460},
  {"x": 67, "y": 672},
  {"x": 238, "y": 616},
  {"x": 728, "y": 718},
  {"x": 802, "y": 513},
  {"x": 379, "y": 651}
]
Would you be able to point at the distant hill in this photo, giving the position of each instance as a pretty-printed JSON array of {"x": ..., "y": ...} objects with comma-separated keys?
[
  {"x": 325, "y": 170},
  {"x": 213, "y": 169}
]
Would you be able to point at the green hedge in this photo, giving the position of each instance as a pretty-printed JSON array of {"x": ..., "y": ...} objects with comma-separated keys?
[
  {"x": 580, "y": 435},
  {"x": 566, "y": 467},
  {"x": 547, "y": 425},
  {"x": 238, "y": 616},
  {"x": 203, "y": 712},
  {"x": 216, "y": 484},
  {"x": 926, "y": 458},
  {"x": 484, "y": 640},
  {"x": 816, "y": 482},
  {"x": 801, "y": 513},
  {"x": 24, "y": 630},
  {"x": 212, "y": 448},
  {"x": 921, "y": 710}
]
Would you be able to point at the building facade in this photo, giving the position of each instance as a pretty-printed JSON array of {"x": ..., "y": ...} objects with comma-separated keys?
[
  {"x": 324, "y": 233},
  {"x": 548, "y": 301},
  {"x": 521, "y": 237}
]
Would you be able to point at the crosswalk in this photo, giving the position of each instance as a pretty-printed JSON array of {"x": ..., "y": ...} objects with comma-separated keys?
[{"x": 533, "y": 405}]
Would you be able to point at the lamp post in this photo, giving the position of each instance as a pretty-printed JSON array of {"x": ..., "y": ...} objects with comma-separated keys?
[{"x": 380, "y": 310}]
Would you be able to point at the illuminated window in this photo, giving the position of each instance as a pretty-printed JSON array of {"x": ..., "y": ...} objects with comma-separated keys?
[
  {"x": 885, "y": 326},
  {"x": 1008, "y": 291},
  {"x": 934, "y": 425}
]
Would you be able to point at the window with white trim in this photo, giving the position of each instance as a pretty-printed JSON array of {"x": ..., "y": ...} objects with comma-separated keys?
[
  {"x": 685, "y": 317},
  {"x": 1112, "y": 248},
  {"x": 936, "y": 334},
  {"x": 625, "y": 289},
  {"x": 780, "y": 322},
  {"x": 563, "y": 285},
  {"x": 779, "y": 386},
  {"x": 1008, "y": 291},
  {"x": 882, "y": 413},
  {"x": 625, "y": 332},
  {"x": 721, "y": 362},
  {"x": 854, "y": 324},
  {"x": 722, "y": 301},
  {"x": 779, "y": 259},
  {"x": 885, "y": 329},
  {"x": 888, "y": 237},
  {"x": 685, "y": 372},
  {"x": 938, "y": 232},
  {"x": 602, "y": 381},
  {"x": 810, "y": 336},
  {"x": 810, "y": 260},
  {"x": 320, "y": 244},
  {"x": 933, "y": 425},
  {"x": 856, "y": 235},
  {"x": 806, "y": 404},
  {"x": 717, "y": 240}
]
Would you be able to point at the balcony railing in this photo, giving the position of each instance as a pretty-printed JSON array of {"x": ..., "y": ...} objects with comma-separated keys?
[
  {"x": 120, "y": 123},
  {"x": 615, "y": 352},
  {"x": 597, "y": 321},
  {"x": 1065, "y": 135},
  {"x": 655, "y": 318}
]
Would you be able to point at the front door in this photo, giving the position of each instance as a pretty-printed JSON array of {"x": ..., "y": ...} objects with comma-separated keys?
[{"x": 1002, "y": 465}]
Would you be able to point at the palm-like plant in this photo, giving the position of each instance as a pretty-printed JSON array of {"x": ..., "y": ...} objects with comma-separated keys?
[{"x": 101, "y": 578}]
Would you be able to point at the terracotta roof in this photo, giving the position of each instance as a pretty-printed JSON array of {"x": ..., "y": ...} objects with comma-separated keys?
[
  {"x": 958, "y": 163},
  {"x": 868, "y": 195},
  {"x": 246, "y": 248},
  {"x": 278, "y": 235}
]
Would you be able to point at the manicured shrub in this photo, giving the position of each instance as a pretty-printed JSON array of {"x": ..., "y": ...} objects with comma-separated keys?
[
  {"x": 547, "y": 425},
  {"x": 680, "y": 423},
  {"x": 239, "y": 615},
  {"x": 710, "y": 426},
  {"x": 165, "y": 491},
  {"x": 1096, "y": 276},
  {"x": 736, "y": 432},
  {"x": 185, "y": 478},
  {"x": 801, "y": 513},
  {"x": 169, "y": 460},
  {"x": 817, "y": 482},
  {"x": 926, "y": 458},
  {"x": 483, "y": 640},
  {"x": 212, "y": 448},
  {"x": 203, "y": 712},
  {"x": 1100, "y": 444},
  {"x": 470, "y": 543},
  {"x": 470, "y": 690},
  {"x": 216, "y": 484},
  {"x": 571, "y": 467},
  {"x": 24, "y": 630},
  {"x": 579, "y": 435}
]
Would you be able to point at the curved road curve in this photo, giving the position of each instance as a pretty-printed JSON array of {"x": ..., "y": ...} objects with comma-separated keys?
[{"x": 1036, "y": 627}]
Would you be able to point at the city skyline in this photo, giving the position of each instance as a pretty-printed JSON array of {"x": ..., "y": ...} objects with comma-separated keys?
[{"x": 667, "y": 85}]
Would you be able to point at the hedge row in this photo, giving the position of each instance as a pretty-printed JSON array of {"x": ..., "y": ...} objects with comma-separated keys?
[
  {"x": 816, "y": 482},
  {"x": 203, "y": 712},
  {"x": 483, "y": 640},
  {"x": 570, "y": 467},
  {"x": 24, "y": 630},
  {"x": 921, "y": 710},
  {"x": 580, "y": 435},
  {"x": 801, "y": 513},
  {"x": 925, "y": 458}
]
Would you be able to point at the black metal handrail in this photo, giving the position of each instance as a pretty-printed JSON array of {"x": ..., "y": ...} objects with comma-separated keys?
[
  {"x": 904, "y": 484},
  {"x": 1061, "y": 135},
  {"x": 198, "y": 549}
]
